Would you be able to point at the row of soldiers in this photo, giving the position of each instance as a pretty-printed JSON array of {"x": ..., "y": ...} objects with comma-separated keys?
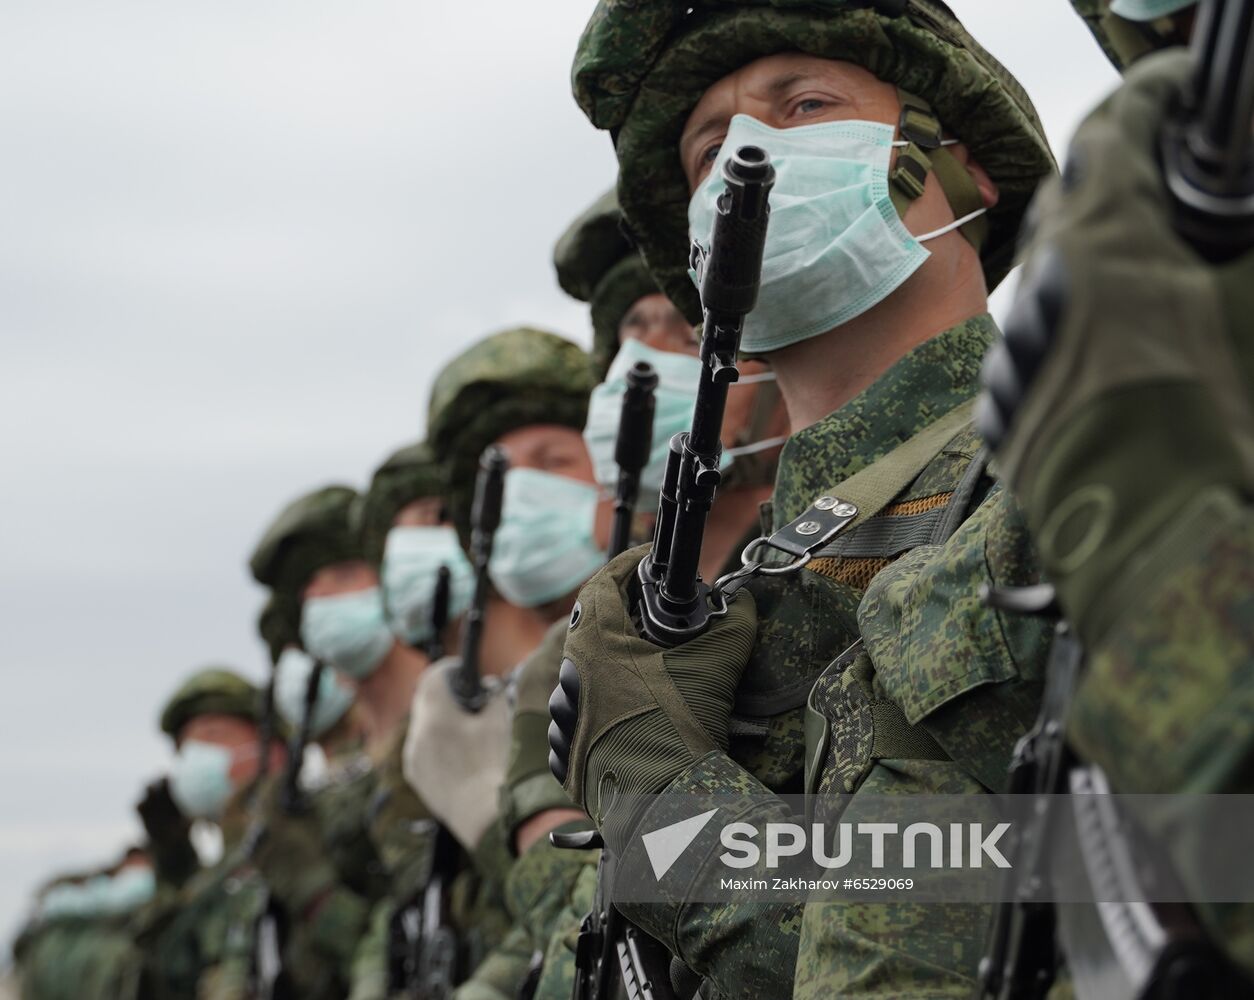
[{"x": 1105, "y": 476}]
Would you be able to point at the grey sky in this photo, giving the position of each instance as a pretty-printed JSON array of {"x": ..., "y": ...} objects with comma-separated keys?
[{"x": 237, "y": 240}]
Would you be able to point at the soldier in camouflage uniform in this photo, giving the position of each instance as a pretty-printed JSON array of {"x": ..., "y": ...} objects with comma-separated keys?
[
  {"x": 1121, "y": 412},
  {"x": 78, "y": 943},
  {"x": 935, "y": 688},
  {"x": 527, "y": 391},
  {"x": 596, "y": 263},
  {"x": 196, "y": 937}
]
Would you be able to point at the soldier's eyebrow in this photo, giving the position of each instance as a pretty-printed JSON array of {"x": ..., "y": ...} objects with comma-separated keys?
[{"x": 782, "y": 85}]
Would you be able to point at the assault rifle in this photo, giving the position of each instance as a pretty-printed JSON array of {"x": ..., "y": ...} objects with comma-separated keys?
[
  {"x": 675, "y": 603},
  {"x": 485, "y": 518},
  {"x": 439, "y": 613},
  {"x": 631, "y": 449}
]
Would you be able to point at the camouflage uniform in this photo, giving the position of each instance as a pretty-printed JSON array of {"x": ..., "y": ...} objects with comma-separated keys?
[
  {"x": 1131, "y": 449},
  {"x": 951, "y": 680}
]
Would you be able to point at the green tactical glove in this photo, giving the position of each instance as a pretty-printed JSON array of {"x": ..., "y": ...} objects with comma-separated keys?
[
  {"x": 1119, "y": 402},
  {"x": 291, "y": 856},
  {"x": 628, "y": 716}
]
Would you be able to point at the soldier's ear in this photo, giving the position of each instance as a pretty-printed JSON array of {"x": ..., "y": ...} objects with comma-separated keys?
[{"x": 989, "y": 192}]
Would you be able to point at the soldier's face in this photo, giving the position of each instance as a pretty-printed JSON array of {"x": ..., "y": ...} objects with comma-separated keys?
[
  {"x": 655, "y": 322},
  {"x": 425, "y": 512},
  {"x": 549, "y": 448},
  {"x": 789, "y": 90},
  {"x": 561, "y": 451},
  {"x": 239, "y": 736},
  {"x": 341, "y": 578}
]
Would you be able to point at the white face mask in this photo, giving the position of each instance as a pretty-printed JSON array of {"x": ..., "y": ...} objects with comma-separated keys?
[
  {"x": 411, "y": 564},
  {"x": 545, "y": 545},
  {"x": 678, "y": 375},
  {"x": 835, "y": 245},
  {"x": 291, "y": 686},
  {"x": 347, "y": 631},
  {"x": 200, "y": 779}
]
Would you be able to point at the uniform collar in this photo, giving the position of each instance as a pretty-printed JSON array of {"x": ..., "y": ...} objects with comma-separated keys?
[{"x": 919, "y": 388}]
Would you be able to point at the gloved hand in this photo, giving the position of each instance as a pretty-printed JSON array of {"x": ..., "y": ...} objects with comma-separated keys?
[
  {"x": 169, "y": 834},
  {"x": 290, "y": 854},
  {"x": 628, "y": 716},
  {"x": 1123, "y": 384},
  {"x": 454, "y": 759}
]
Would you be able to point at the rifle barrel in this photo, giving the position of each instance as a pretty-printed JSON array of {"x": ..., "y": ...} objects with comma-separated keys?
[{"x": 632, "y": 449}]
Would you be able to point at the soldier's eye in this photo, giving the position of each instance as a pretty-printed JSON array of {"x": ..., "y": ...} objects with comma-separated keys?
[
  {"x": 710, "y": 154},
  {"x": 809, "y": 105}
]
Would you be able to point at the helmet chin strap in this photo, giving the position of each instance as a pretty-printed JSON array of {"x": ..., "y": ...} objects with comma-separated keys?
[{"x": 924, "y": 151}]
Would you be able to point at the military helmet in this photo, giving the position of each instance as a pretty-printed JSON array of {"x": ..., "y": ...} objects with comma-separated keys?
[
  {"x": 210, "y": 691},
  {"x": 1129, "y": 29},
  {"x": 311, "y": 532},
  {"x": 641, "y": 68},
  {"x": 508, "y": 380},
  {"x": 408, "y": 474},
  {"x": 597, "y": 264}
]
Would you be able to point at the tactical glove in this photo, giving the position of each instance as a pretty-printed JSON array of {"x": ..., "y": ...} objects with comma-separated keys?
[
  {"x": 628, "y": 716},
  {"x": 1120, "y": 397},
  {"x": 454, "y": 759},
  {"x": 169, "y": 834}
]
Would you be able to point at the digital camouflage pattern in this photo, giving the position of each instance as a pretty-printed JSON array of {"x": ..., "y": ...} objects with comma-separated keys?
[
  {"x": 597, "y": 264},
  {"x": 408, "y": 474},
  {"x": 960, "y": 682},
  {"x": 1125, "y": 41},
  {"x": 1132, "y": 454},
  {"x": 508, "y": 380},
  {"x": 641, "y": 67},
  {"x": 313, "y": 531},
  {"x": 211, "y": 691}
]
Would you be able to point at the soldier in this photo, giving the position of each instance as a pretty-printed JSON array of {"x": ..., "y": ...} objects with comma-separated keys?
[
  {"x": 905, "y": 156},
  {"x": 404, "y": 529},
  {"x": 526, "y": 391},
  {"x": 196, "y": 942},
  {"x": 1120, "y": 410},
  {"x": 77, "y": 944}
]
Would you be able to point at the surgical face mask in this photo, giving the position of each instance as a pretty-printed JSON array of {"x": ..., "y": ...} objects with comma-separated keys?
[
  {"x": 835, "y": 245},
  {"x": 67, "y": 900},
  {"x": 129, "y": 889},
  {"x": 412, "y": 559},
  {"x": 1148, "y": 10},
  {"x": 200, "y": 779},
  {"x": 678, "y": 375},
  {"x": 544, "y": 547},
  {"x": 291, "y": 685},
  {"x": 347, "y": 631}
]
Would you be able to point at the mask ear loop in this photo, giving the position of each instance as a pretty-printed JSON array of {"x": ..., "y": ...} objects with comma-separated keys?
[{"x": 925, "y": 152}]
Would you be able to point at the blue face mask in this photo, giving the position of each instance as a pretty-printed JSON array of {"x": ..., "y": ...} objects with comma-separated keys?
[
  {"x": 129, "y": 889},
  {"x": 835, "y": 245},
  {"x": 200, "y": 779},
  {"x": 544, "y": 547},
  {"x": 1148, "y": 10},
  {"x": 347, "y": 631},
  {"x": 69, "y": 900},
  {"x": 411, "y": 564},
  {"x": 291, "y": 683}
]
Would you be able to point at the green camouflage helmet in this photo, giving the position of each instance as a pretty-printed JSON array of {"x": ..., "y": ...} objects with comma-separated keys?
[
  {"x": 211, "y": 691},
  {"x": 642, "y": 66},
  {"x": 1129, "y": 29},
  {"x": 508, "y": 380},
  {"x": 311, "y": 532},
  {"x": 409, "y": 474},
  {"x": 597, "y": 264},
  {"x": 279, "y": 623}
]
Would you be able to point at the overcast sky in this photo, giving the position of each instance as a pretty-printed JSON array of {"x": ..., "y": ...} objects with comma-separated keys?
[{"x": 236, "y": 240}]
